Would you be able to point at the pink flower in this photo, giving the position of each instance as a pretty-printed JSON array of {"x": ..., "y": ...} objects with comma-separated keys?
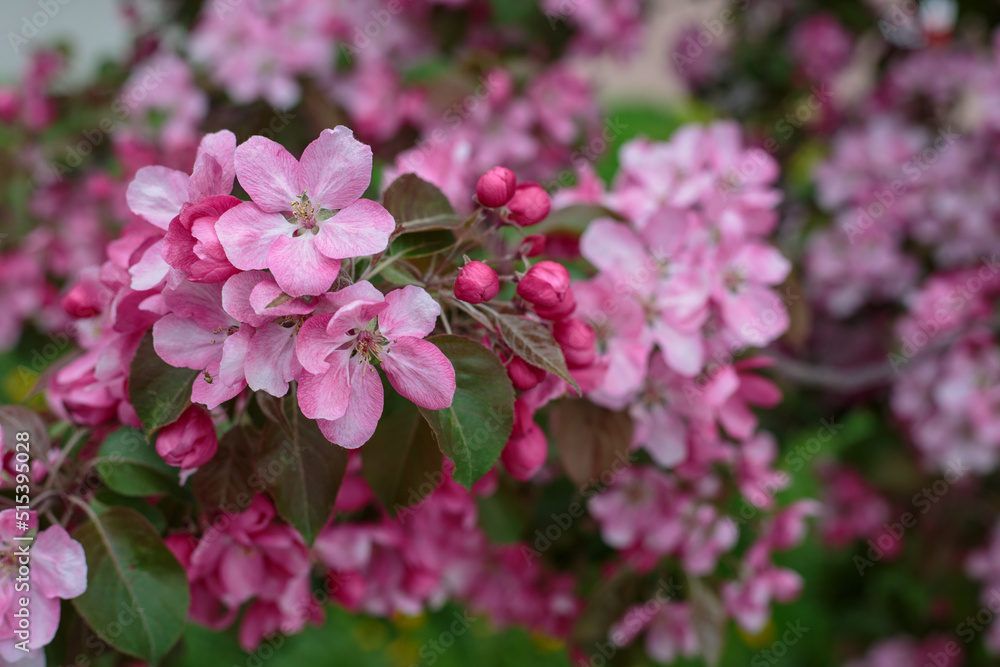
[
  {"x": 190, "y": 441},
  {"x": 192, "y": 244},
  {"x": 58, "y": 572},
  {"x": 199, "y": 334},
  {"x": 347, "y": 397},
  {"x": 305, "y": 215},
  {"x": 476, "y": 283},
  {"x": 495, "y": 188},
  {"x": 576, "y": 339}
]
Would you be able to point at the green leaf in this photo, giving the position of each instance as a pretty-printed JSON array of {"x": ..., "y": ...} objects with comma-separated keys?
[
  {"x": 128, "y": 464},
  {"x": 421, "y": 244},
  {"x": 303, "y": 470},
  {"x": 473, "y": 431},
  {"x": 590, "y": 439},
  {"x": 105, "y": 499},
  {"x": 401, "y": 462},
  {"x": 137, "y": 595},
  {"x": 418, "y": 205},
  {"x": 228, "y": 481},
  {"x": 533, "y": 342},
  {"x": 158, "y": 391},
  {"x": 399, "y": 276}
]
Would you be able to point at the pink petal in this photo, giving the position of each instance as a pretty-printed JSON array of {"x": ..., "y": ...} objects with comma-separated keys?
[
  {"x": 182, "y": 343},
  {"x": 612, "y": 246},
  {"x": 58, "y": 566},
  {"x": 299, "y": 267},
  {"x": 150, "y": 270},
  {"x": 411, "y": 312},
  {"x": 247, "y": 234},
  {"x": 313, "y": 345},
  {"x": 268, "y": 173},
  {"x": 270, "y": 361},
  {"x": 419, "y": 371},
  {"x": 222, "y": 146},
  {"x": 363, "y": 228},
  {"x": 234, "y": 354},
  {"x": 205, "y": 179},
  {"x": 215, "y": 393},
  {"x": 335, "y": 170},
  {"x": 325, "y": 396},
  {"x": 364, "y": 408},
  {"x": 157, "y": 194},
  {"x": 267, "y": 291},
  {"x": 236, "y": 297},
  {"x": 684, "y": 352}
]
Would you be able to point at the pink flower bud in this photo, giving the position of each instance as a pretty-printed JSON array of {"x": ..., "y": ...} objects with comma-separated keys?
[
  {"x": 79, "y": 303},
  {"x": 190, "y": 441},
  {"x": 577, "y": 340},
  {"x": 563, "y": 309},
  {"x": 526, "y": 451},
  {"x": 530, "y": 205},
  {"x": 534, "y": 245},
  {"x": 10, "y": 105},
  {"x": 545, "y": 284},
  {"x": 476, "y": 283},
  {"x": 496, "y": 187},
  {"x": 523, "y": 375}
]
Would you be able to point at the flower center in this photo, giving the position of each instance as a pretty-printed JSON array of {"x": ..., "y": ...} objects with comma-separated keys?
[
  {"x": 305, "y": 212},
  {"x": 369, "y": 344}
]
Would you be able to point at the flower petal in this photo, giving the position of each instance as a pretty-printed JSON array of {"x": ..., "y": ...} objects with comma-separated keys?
[
  {"x": 313, "y": 345},
  {"x": 299, "y": 267},
  {"x": 236, "y": 297},
  {"x": 58, "y": 565},
  {"x": 363, "y": 228},
  {"x": 271, "y": 362},
  {"x": 157, "y": 194},
  {"x": 268, "y": 173},
  {"x": 420, "y": 372},
  {"x": 247, "y": 234},
  {"x": 335, "y": 169},
  {"x": 364, "y": 408},
  {"x": 182, "y": 343},
  {"x": 325, "y": 396},
  {"x": 411, "y": 312},
  {"x": 221, "y": 146}
]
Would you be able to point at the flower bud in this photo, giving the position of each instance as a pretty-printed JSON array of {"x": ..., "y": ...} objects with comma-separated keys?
[
  {"x": 577, "y": 340},
  {"x": 527, "y": 449},
  {"x": 496, "y": 187},
  {"x": 533, "y": 246},
  {"x": 529, "y": 205},
  {"x": 80, "y": 303},
  {"x": 476, "y": 283},
  {"x": 545, "y": 284},
  {"x": 563, "y": 309},
  {"x": 523, "y": 375},
  {"x": 190, "y": 441}
]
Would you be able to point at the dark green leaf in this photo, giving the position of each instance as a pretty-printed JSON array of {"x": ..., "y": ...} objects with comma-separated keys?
[
  {"x": 533, "y": 342},
  {"x": 473, "y": 431},
  {"x": 105, "y": 499},
  {"x": 302, "y": 470},
  {"x": 128, "y": 464},
  {"x": 228, "y": 481},
  {"x": 418, "y": 205},
  {"x": 590, "y": 439},
  {"x": 421, "y": 244},
  {"x": 401, "y": 462},
  {"x": 158, "y": 391},
  {"x": 137, "y": 594}
]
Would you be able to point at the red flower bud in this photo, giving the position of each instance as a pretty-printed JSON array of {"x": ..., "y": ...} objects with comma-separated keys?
[
  {"x": 530, "y": 205},
  {"x": 533, "y": 245},
  {"x": 527, "y": 449},
  {"x": 78, "y": 303},
  {"x": 545, "y": 284},
  {"x": 190, "y": 441},
  {"x": 476, "y": 283},
  {"x": 523, "y": 375},
  {"x": 577, "y": 340},
  {"x": 496, "y": 187},
  {"x": 563, "y": 309}
]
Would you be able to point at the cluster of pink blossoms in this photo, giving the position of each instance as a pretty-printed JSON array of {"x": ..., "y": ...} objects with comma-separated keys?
[{"x": 192, "y": 265}]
